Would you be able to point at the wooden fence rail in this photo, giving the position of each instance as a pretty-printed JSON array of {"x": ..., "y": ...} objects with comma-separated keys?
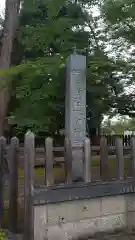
[
  {"x": 126, "y": 139},
  {"x": 59, "y": 154},
  {"x": 12, "y": 152},
  {"x": 62, "y": 149},
  {"x": 59, "y": 140}
]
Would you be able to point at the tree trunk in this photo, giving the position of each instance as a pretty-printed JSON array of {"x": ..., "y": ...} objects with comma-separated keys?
[{"x": 10, "y": 25}]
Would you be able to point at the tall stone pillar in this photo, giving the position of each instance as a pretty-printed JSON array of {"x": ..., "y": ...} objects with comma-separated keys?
[{"x": 75, "y": 117}]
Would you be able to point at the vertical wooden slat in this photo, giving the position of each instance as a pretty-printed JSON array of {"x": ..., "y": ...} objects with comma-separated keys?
[
  {"x": 2, "y": 159},
  {"x": 103, "y": 159},
  {"x": 129, "y": 140},
  {"x": 29, "y": 159},
  {"x": 125, "y": 140},
  {"x": 119, "y": 159},
  {"x": 13, "y": 185},
  {"x": 68, "y": 160},
  {"x": 87, "y": 160},
  {"x": 49, "y": 161},
  {"x": 133, "y": 157}
]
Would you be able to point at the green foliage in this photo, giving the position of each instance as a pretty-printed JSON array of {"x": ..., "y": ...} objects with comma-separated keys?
[
  {"x": 47, "y": 35},
  {"x": 38, "y": 99},
  {"x": 119, "y": 18},
  {"x": 119, "y": 126},
  {"x": 2, "y": 235}
]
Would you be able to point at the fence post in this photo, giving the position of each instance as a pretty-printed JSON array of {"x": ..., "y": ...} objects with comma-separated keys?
[
  {"x": 2, "y": 159},
  {"x": 49, "y": 161},
  {"x": 133, "y": 157},
  {"x": 68, "y": 160},
  {"x": 29, "y": 159},
  {"x": 87, "y": 160},
  {"x": 13, "y": 185},
  {"x": 103, "y": 159},
  {"x": 119, "y": 159}
]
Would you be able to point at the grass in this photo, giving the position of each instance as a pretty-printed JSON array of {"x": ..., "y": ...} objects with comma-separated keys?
[
  {"x": 4, "y": 223},
  {"x": 40, "y": 173},
  {"x": 2, "y": 235},
  {"x": 58, "y": 171}
]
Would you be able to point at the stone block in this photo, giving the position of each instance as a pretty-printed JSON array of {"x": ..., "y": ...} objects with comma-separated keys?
[
  {"x": 113, "y": 205},
  {"x": 73, "y": 211},
  {"x": 40, "y": 222},
  {"x": 112, "y": 222},
  {"x": 130, "y": 202}
]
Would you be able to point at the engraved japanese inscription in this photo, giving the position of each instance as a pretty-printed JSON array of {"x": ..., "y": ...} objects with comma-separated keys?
[
  {"x": 75, "y": 120},
  {"x": 78, "y": 103}
]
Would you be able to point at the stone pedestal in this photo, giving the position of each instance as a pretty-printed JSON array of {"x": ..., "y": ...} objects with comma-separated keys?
[{"x": 75, "y": 128}]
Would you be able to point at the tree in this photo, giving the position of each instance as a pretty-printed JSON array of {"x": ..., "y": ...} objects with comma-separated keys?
[
  {"x": 42, "y": 73},
  {"x": 8, "y": 33},
  {"x": 47, "y": 35},
  {"x": 119, "y": 18},
  {"x": 118, "y": 127}
]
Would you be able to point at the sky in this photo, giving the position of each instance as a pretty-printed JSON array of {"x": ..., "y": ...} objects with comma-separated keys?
[{"x": 2, "y": 5}]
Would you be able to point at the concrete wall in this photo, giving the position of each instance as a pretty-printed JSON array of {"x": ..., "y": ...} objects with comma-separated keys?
[{"x": 69, "y": 220}]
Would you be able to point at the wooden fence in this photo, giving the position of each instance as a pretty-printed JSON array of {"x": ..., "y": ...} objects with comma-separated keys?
[
  {"x": 95, "y": 140},
  {"x": 59, "y": 153},
  {"x": 10, "y": 154},
  {"x": 126, "y": 139}
]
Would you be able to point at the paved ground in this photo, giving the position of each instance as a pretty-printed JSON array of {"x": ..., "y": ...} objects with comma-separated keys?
[
  {"x": 15, "y": 237},
  {"x": 114, "y": 236},
  {"x": 100, "y": 236}
]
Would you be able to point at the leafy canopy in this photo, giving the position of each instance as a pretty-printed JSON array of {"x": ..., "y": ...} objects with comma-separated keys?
[{"x": 48, "y": 33}]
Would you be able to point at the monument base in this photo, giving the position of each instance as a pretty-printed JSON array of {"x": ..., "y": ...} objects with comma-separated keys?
[{"x": 77, "y": 164}]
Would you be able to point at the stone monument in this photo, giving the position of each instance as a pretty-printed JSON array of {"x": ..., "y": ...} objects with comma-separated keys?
[{"x": 75, "y": 121}]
